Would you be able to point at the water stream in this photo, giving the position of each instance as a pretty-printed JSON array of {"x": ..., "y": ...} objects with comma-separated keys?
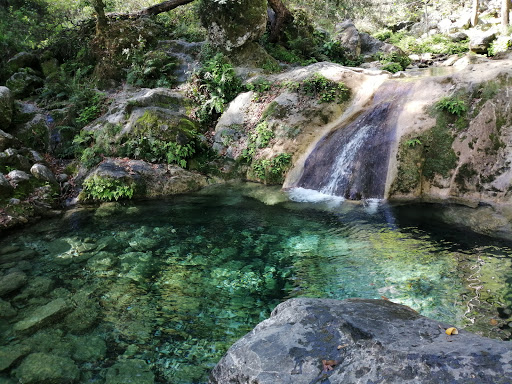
[{"x": 174, "y": 283}]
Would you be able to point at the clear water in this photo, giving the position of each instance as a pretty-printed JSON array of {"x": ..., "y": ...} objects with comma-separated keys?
[{"x": 176, "y": 282}]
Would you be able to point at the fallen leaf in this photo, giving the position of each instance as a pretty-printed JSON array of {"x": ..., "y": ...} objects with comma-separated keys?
[
  {"x": 452, "y": 331},
  {"x": 342, "y": 346},
  {"x": 493, "y": 322},
  {"x": 384, "y": 298}
]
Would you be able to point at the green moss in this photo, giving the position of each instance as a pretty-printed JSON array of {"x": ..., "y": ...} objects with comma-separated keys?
[
  {"x": 409, "y": 166},
  {"x": 439, "y": 156}
]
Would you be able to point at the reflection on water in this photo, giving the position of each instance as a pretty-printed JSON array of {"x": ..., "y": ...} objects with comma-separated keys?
[{"x": 161, "y": 289}]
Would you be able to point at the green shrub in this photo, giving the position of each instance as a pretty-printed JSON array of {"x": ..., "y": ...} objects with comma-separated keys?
[
  {"x": 106, "y": 189},
  {"x": 324, "y": 89},
  {"x": 213, "y": 86},
  {"x": 272, "y": 170},
  {"x": 452, "y": 105},
  {"x": 392, "y": 67},
  {"x": 383, "y": 34},
  {"x": 152, "y": 69}
]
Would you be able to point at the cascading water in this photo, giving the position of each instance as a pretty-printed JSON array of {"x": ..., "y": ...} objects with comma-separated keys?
[{"x": 352, "y": 160}]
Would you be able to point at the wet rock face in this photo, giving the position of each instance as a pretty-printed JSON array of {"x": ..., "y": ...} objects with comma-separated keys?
[{"x": 361, "y": 341}]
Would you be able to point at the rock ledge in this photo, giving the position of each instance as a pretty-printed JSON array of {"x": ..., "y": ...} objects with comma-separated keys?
[{"x": 368, "y": 341}]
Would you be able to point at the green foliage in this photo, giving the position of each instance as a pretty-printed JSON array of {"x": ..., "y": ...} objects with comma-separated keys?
[
  {"x": 260, "y": 85},
  {"x": 394, "y": 62},
  {"x": 452, "y": 105},
  {"x": 502, "y": 44},
  {"x": 438, "y": 44},
  {"x": 157, "y": 151},
  {"x": 383, "y": 34},
  {"x": 413, "y": 142},
  {"x": 106, "y": 189},
  {"x": 151, "y": 69},
  {"x": 392, "y": 67},
  {"x": 259, "y": 138},
  {"x": 325, "y": 90},
  {"x": 183, "y": 23},
  {"x": 214, "y": 85},
  {"x": 272, "y": 170},
  {"x": 92, "y": 109}
]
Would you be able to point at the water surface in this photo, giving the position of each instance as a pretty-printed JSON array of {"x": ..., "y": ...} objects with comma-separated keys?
[{"x": 175, "y": 282}]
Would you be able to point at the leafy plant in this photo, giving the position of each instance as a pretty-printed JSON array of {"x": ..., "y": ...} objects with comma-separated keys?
[
  {"x": 259, "y": 138},
  {"x": 215, "y": 85},
  {"x": 106, "y": 189},
  {"x": 452, "y": 105},
  {"x": 272, "y": 170},
  {"x": 392, "y": 67},
  {"x": 152, "y": 69},
  {"x": 324, "y": 89}
]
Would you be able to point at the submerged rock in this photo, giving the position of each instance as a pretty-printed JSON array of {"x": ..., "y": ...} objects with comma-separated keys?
[
  {"x": 12, "y": 282},
  {"x": 130, "y": 371},
  {"x": 43, "y": 316},
  {"x": 11, "y": 354},
  {"x": 44, "y": 368},
  {"x": 360, "y": 341}
]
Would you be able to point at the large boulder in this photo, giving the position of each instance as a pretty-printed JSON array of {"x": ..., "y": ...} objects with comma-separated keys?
[
  {"x": 6, "y": 107},
  {"x": 231, "y": 24},
  {"x": 370, "y": 46},
  {"x": 309, "y": 341},
  {"x": 23, "y": 60},
  {"x": 348, "y": 36},
  {"x": 24, "y": 83},
  {"x": 143, "y": 178},
  {"x": 481, "y": 42}
]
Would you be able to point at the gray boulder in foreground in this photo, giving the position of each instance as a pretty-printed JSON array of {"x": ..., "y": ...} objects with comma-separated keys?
[{"x": 369, "y": 341}]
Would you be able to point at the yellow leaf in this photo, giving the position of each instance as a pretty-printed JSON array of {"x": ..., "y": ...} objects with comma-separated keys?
[{"x": 452, "y": 331}]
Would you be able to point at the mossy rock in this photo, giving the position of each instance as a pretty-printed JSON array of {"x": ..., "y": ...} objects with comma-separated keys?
[
  {"x": 162, "y": 125},
  {"x": 24, "y": 83},
  {"x": 49, "y": 369},
  {"x": 234, "y": 23}
]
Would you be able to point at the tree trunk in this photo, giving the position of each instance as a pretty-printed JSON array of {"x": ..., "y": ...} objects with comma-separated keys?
[
  {"x": 150, "y": 11},
  {"x": 101, "y": 19},
  {"x": 474, "y": 12},
  {"x": 283, "y": 16},
  {"x": 505, "y": 11}
]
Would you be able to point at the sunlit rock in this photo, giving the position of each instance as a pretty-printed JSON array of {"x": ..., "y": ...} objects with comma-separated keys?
[{"x": 317, "y": 340}]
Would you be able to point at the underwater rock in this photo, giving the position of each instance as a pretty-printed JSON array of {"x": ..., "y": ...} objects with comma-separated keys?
[
  {"x": 37, "y": 287},
  {"x": 43, "y": 316},
  {"x": 17, "y": 255},
  {"x": 83, "y": 318},
  {"x": 6, "y": 310},
  {"x": 89, "y": 348},
  {"x": 12, "y": 282},
  {"x": 130, "y": 371},
  {"x": 11, "y": 354},
  {"x": 360, "y": 340},
  {"x": 44, "y": 368}
]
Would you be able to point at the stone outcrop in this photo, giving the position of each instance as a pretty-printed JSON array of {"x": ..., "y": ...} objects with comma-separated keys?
[
  {"x": 149, "y": 180},
  {"x": 231, "y": 25},
  {"x": 308, "y": 341}
]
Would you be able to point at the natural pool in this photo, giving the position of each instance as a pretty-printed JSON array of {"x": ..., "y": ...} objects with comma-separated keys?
[{"x": 157, "y": 291}]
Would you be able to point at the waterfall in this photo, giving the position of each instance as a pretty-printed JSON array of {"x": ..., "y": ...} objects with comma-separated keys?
[{"x": 352, "y": 160}]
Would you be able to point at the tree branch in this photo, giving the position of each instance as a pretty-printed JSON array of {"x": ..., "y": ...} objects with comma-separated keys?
[{"x": 150, "y": 11}]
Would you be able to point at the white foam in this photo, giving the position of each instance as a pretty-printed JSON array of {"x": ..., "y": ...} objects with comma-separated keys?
[
  {"x": 303, "y": 195},
  {"x": 372, "y": 205}
]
